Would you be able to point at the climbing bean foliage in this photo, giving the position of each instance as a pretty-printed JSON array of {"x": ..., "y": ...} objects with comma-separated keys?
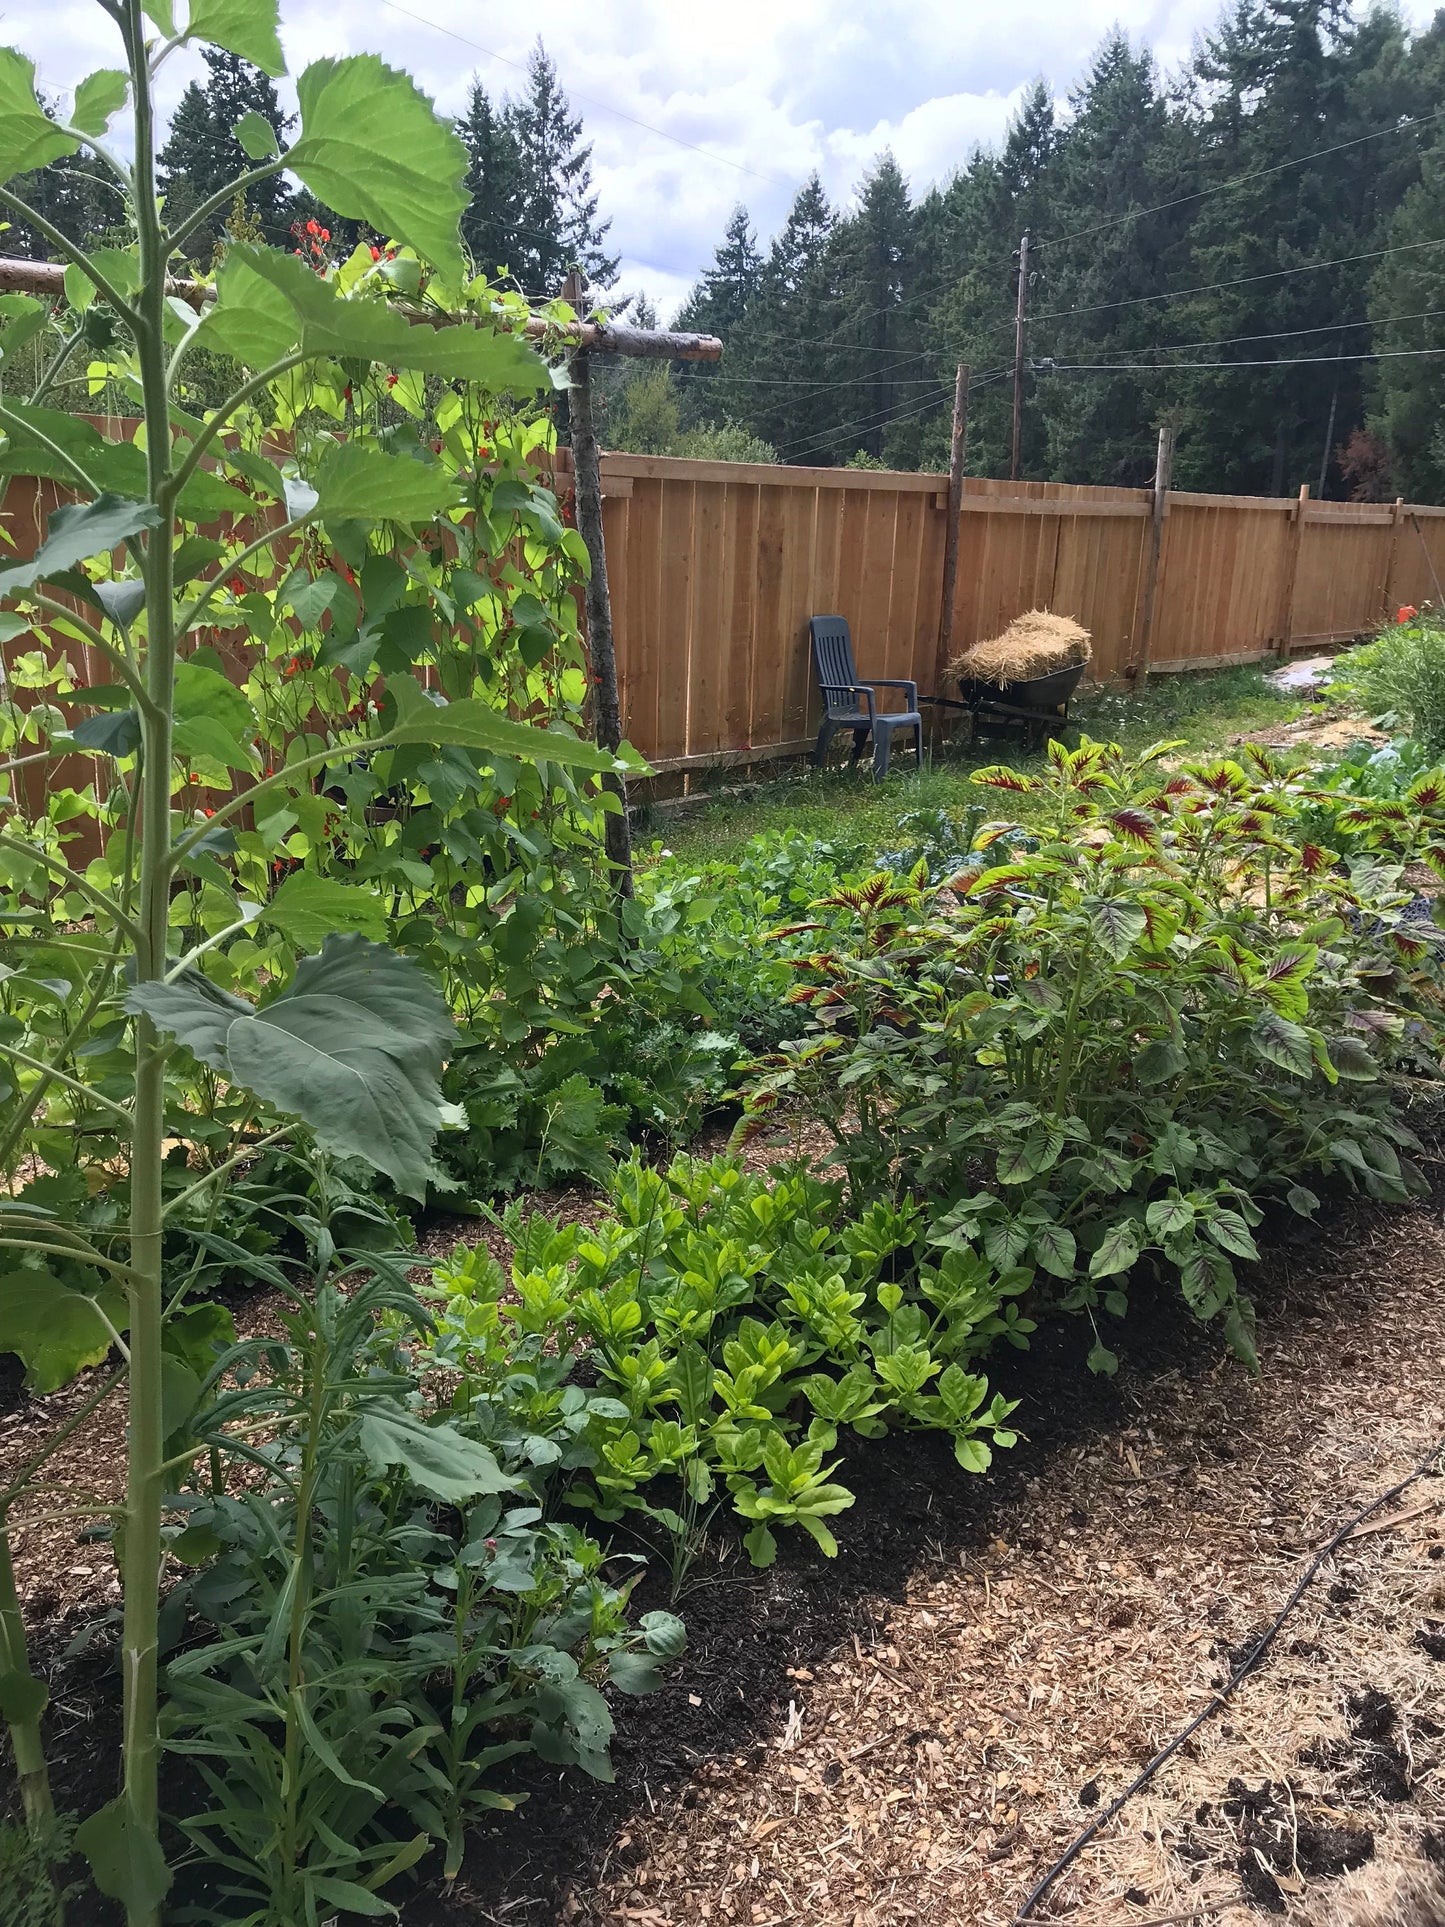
[{"x": 1105, "y": 1044}]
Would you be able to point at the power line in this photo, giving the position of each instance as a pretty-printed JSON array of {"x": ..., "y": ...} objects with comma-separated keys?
[
  {"x": 591, "y": 99},
  {"x": 1286, "y": 361},
  {"x": 1238, "y": 180},
  {"x": 882, "y": 418},
  {"x": 1240, "y": 281},
  {"x": 1284, "y": 334}
]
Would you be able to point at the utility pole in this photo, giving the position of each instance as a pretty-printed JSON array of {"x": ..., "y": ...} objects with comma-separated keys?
[{"x": 1021, "y": 316}]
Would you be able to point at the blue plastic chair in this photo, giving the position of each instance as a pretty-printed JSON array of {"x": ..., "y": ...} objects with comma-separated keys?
[{"x": 848, "y": 703}]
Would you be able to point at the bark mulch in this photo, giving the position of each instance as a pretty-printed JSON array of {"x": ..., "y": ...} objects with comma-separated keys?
[{"x": 915, "y": 1731}]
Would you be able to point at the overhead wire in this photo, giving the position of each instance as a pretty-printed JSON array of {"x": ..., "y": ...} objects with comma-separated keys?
[
  {"x": 883, "y": 418},
  {"x": 1407, "y": 125}
]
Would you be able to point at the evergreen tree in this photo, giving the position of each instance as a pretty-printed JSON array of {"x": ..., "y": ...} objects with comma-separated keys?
[
  {"x": 986, "y": 209},
  {"x": 553, "y": 209},
  {"x": 766, "y": 383},
  {"x": 1406, "y": 388},
  {"x": 202, "y": 153},
  {"x": 716, "y": 306},
  {"x": 1285, "y": 77},
  {"x": 872, "y": 267},
  {"x": 1117, "y": 154},
  {"x": 489, "y": 224}
]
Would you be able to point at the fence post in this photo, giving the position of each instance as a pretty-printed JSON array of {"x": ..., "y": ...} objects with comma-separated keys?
[
  {"x": 1397, "y": 523},
  {"x": 587, "y": 494},
  {"x": 957, "y": 449},
  {"x": 1163, "y": 474},
  {"x": 1296, "y": 542}
]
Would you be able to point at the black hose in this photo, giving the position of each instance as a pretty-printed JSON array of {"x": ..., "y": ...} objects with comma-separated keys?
[{"x": 1241, "y": 1673}]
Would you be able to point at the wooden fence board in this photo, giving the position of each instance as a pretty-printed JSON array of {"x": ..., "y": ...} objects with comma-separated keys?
[{"x": 715, "y": 568}]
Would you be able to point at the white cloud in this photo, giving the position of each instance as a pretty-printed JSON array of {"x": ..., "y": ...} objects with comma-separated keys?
[{"x": 770, "y": 88}]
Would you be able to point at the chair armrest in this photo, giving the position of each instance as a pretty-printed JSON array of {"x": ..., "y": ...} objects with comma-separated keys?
[
  {"x": 832, "y": 691},
  {"x": 894, "y": 682}
]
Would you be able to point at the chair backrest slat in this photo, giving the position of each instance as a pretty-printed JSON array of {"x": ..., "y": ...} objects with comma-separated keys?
[{"x": 833, "y": 659}]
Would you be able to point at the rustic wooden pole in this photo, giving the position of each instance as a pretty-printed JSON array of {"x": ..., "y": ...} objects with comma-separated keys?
[
  {"x": 1163, "y": 474},
  {"x": 957, "y": 450},
  {"x": 47, "y": 279},
  {"x": 1296, "y": 543},
  {"x": 1021, "y": 315},
  {"x": 587, "y": 495}
]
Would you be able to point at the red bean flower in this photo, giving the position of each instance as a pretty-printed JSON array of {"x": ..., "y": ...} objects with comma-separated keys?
[{"x": 1406, "y": 612}]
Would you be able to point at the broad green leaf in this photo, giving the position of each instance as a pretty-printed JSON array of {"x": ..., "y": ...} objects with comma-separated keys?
[
  {"x": 1119, "y": 1250},
  {"x": 76, "y": 533},
  {"x": 665, "y": 1634},
  {"x": 244, "y": 27},
  {"x": 120, "y": 266},
  {"x": 972, "y": 1454},
  {"x": 28, "y": 137},
  {"x": 438, "y": 1459},
  {"x": 308, "y": 908},
  {"x": 374, "y": 148},
  {"x": 256, "y": 136},
  {"x": 126, "y": 1861},
  {"x": 762, "y": 1547},
  {"x": 213, "y": 718},
  {"x": 1166, "y": 1216},
  {"x": 119, "y": 467},
  {"x": 633, "y": 1673},
  {"x": 1055, "y": 1250},
  {"x": 359, "y": 484},
  {"x": 323, "y": 1748},
  {"x": 54, "y": 1331},
  {"x": 1228, "y": 1228},
  {"x": 162, "y": 13},
  {"x": 1101, "y": 1359},
  {"x": 98, "y": 97},
  {"x": 114, "y": 733},
  {"x": 22, "y": 317},
  {"x": 269, "y": 303},
  {"x": 1158, "y": 1061},
  {"x": 1284, "y": 1043},
  {"x": 1300, "y": 1198},
  {"x": 250, "y": 320},
  {"x": 1117, "y": 925},
  {"x": 474, "y": 724},
  {"x": 353, "y": 1046}
]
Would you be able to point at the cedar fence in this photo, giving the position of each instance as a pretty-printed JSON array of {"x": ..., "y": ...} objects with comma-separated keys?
[{"x": 715, "y": 568}]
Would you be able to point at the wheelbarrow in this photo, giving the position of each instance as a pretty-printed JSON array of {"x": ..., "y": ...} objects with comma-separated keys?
[{"x": 1036, "y": 707}]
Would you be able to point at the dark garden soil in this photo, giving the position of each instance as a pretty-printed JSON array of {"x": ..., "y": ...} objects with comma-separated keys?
[{"x": 914, "y": 1731}]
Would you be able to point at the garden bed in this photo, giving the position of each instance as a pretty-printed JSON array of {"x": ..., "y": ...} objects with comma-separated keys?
[{"x": 914, "y": 1730}]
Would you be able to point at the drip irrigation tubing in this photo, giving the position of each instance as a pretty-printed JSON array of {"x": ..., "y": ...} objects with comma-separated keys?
[{"x": 1247, "y": 1665}]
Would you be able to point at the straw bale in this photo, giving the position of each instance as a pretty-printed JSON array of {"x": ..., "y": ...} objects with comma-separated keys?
[{"x": 1035, "y": 644}]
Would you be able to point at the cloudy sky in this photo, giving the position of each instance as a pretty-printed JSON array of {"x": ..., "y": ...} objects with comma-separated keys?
[{"x": 768, "y": 89}]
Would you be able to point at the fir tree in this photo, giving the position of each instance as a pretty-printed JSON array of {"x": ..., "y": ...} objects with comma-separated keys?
[
  {"x": 716, "y": 306},
  {"x": 872, "y": 268},
  {"x": 553, "y": 210},
  {"x": 202, "y": 153},
  {"x": 489, "y": 225},
  {"x": 775, "y": 352}
]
